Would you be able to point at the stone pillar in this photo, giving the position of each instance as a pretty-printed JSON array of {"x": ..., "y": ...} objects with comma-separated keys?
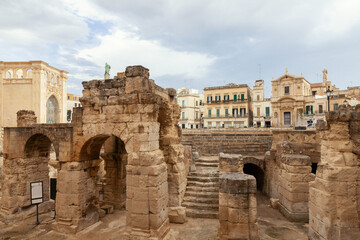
[
  {"x": 25, "y": 118},
  {"x": 237, "y": 200},
  {"x": 334, "y": 199},
  {"x": 294, "y": 178}
]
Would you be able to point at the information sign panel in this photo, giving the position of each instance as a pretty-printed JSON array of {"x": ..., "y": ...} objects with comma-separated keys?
[{"x": 36, "y": 192}]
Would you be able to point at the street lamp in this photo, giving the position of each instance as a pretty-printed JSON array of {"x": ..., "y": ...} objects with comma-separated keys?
[
  {"x": 345, "y": 103},
  {"x": 328, "y": 93}
]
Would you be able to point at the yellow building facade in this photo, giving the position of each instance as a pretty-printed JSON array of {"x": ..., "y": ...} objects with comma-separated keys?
[
  {"x": 227, "y": 106},
  {"x": 33, "y": 85}
]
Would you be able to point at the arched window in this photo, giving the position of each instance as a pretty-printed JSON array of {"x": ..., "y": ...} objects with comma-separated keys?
[
  {"x": 29, "y": 73},
  {"x": 8, "y": 74},
  {"x": 19, "y": 73},
  {"x": 52, "y": 108}
]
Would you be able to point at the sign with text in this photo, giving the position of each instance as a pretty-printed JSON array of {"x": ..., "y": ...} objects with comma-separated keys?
[{"x": 36, "y": 192}]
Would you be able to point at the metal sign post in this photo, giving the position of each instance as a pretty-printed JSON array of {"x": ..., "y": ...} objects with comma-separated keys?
[{"x": 37, "y": 197}]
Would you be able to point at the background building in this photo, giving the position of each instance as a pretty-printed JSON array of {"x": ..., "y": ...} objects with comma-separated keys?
[
  {"x": 191, "y": 104},
  {"x": 72, "y": 101},
  {"x": 261, "y": 106},
  {"x": 228, "y": 106},
  {"x": 33, "y": 85}
]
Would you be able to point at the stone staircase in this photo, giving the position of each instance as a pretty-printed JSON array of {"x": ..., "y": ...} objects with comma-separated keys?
[{"x": 202, "y": 192}]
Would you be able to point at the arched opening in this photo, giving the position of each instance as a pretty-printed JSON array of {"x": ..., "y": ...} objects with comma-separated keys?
[
  {"x": 109, "y": 155},
  {"x": 257, "y": 172},
  {"x": 29, "y": 73},
  {"x": 52, "y": 109},
  {"x": 19, "y": 73},
  {"x": 9, "y": 74},
  {"x": 41, "y": 165}
]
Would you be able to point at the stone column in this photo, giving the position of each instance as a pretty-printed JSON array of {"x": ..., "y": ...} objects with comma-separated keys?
[
  {"x": 25, "y": 118},
  {"x": 334, "y": 200},
  {"x": 293, "y": 183},
  {"x": 237, "y": 200}
]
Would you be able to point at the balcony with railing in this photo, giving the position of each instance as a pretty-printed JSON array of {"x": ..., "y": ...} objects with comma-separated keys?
[
  {"x": 227, "y": 101},
  {"x": 228, "y": 116}
]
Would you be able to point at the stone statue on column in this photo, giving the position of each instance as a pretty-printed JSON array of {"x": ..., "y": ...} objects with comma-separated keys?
[{"x": 107, "y": 71}]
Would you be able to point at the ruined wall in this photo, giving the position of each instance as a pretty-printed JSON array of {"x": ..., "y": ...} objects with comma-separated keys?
[
  {"x": 298, "y": 142},
  {"x": 294, "y": 178},
  {"x": 334, "y": 199},
  {"x": 237, "y": 200},
  {"x": 245, "y": 142}
]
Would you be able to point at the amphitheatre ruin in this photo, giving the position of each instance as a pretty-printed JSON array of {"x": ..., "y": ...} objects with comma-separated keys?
[{"x": 125, "y": 158}]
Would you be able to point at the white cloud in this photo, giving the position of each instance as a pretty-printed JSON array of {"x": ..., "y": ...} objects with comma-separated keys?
[{"x": 122, "y": 49}]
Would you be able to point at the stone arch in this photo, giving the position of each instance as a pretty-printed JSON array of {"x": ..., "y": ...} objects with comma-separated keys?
[
  {"x": 38, "y": 145},
  {"x": 19, "y": 73},
  {"x": 257, "y": 172},
  {"x": 9, "y": 73},
  {"x": 29, "y": 73},
  {"x": 52, "y": 110}
]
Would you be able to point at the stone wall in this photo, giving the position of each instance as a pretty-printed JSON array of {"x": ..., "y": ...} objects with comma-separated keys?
[
  {"x": 294, "y": 178},
  {"x": 334, "y": 199},
  {"x": 237, "y": 200},
  {"x": 239, "y": 141}
]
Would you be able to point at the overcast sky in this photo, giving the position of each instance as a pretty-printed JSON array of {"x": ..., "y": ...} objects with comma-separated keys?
[{"x": 187, "y": 43}]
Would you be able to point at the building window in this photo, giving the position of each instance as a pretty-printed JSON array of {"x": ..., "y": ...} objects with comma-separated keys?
[
  {"x": 258, "y": 97},
  {"x": 183, "y": 115},
  {"x": 242, "y": 112},
  {"x": 196, "y": 103},
  {"x": 182, "y": 126},
  {"x": 217, "y": 98},
  {"x": 287, "y": 118},
  {"x": 209, "y": 113},
  {"x": 235, "y": 97},
  {"x": 183, "y": 103},
  {"x": 68, "y": 115},
  {"x": 287, "y": 90},
  {"x": 336, "y": 106},
  {"x": 217, "y": 112},
  {"x": 226, "y": 112},
  {"x": 258, "y": 111},
  {"x": 267, "y": 111},
  {"x": 68, "y": 97},
  {"x": 226, "y": 97},
  {"x": 242, "y": 97},
  {"x": 321, "y": 109},
  {"x": 197, "y": 115},
  {"x": 209, "y": 99},
  {"x": 200, "y": 102},
  {"x": 75, "y": 104},
  {"x": 309, "y": 109},
  {"x": 235, "y": 112},
  {"x": 313, "y": 93}
]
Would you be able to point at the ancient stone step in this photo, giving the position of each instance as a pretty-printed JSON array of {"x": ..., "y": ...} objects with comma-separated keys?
[
  {"x": 201, "y": 213},
  {"x": 202, "y": 189},
  {"x": 203, "y": 184},
  {"x": 211, "y": 200},
  {"x": 202, "y": 179},
  {"x": 201, "y": 206},
  {"x": 204, "y": 174},
  {"x": 206, "y": 164},
  {"x": 201, "y": 194}
]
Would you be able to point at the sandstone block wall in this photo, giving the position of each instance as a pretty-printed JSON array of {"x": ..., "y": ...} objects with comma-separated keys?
[
  {"x": 237, "y": 200},
  {"x": 294, "y": 178},
  {"x": 255, "y": 142},
  {"x": 334, "y": 199}
]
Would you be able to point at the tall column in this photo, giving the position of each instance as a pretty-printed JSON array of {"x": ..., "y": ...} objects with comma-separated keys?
[{"x": 334, "y": 205}]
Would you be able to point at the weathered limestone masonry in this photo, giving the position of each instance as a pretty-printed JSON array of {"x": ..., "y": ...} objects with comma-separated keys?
[
  {"x": 294, "y": 142},
  {"x": 138, "y": 119},
  {"x": 335, "y": 193},
  {"x": 26, "y": 157},
  {"x": 294, "y": 178},
  {"x": 237, "y": 200},
  {"x": 239, "y": 141}
]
